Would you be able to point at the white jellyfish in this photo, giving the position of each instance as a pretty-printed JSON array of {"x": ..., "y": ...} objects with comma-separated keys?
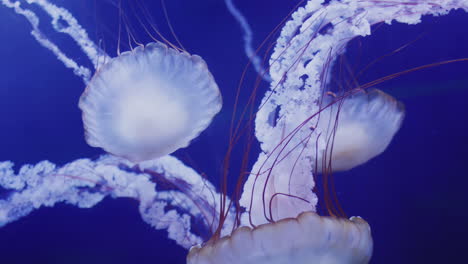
[
  {"x": 307, "y": 238},
  {"x": 358, "y": 128},
  {"x": 149, "y": 102}
]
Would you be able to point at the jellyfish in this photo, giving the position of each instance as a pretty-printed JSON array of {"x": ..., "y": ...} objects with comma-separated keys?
[
  {"x": 363, "y": 129},
  {"x": 161, "y": 100},
  {"x": 274, "y": 220}
]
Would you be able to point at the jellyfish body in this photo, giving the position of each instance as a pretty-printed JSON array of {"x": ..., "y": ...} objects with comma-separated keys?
[
  {"x": 149, "y": 102},
  {"x": 358, "y": 129},
  {"x": 309, "y": 238}
]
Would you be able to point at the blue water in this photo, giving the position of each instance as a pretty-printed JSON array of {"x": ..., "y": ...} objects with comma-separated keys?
[{"x": 413, "y": 195}]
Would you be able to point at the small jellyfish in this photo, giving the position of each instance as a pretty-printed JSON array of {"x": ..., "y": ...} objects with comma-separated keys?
[
  {"x": 149, "y": 102},
  {"x": 357, "y": 129}
]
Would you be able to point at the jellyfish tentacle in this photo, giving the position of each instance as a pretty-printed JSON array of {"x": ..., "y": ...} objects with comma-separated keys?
[
  {"x": 84, "y": 183},
  {"x": 248, "y": 38},
  {"x": 72, "y": 28}
]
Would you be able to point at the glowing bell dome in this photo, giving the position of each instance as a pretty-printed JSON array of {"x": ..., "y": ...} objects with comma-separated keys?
[{"x": 149, "y": 102}]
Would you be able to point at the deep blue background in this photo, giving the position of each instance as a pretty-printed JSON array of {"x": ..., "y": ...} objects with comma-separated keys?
[{"x": 413, "y": 196}]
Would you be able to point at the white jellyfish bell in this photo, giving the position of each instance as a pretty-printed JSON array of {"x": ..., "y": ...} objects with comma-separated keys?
[
  {"x": 358, "y": 129},
  {"x": 307, "y": 239},
  {"x": 149, "y": 102}
]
